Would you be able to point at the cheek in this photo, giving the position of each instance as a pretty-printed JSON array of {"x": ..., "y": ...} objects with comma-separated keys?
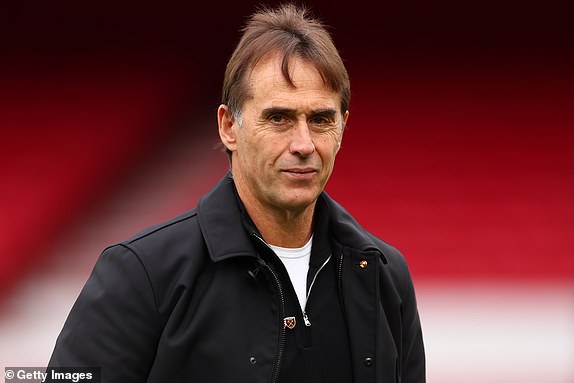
[
  {"x": 258, "y": 153},
  {"x": 328, "y": 148}
]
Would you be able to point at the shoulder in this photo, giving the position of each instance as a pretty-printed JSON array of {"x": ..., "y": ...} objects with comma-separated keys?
[
  {"x": 165, "y": 250},
  {"x": 393, "y": 259},
  {"x": 167, "y": 245},
  {"x": 175, "y": 229},
  {"x": 349, "y": 232}
]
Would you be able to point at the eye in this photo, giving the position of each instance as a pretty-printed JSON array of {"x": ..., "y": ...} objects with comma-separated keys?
[
  {"x": 277, "y": 118},
  {"x": 320, "y": 120}
]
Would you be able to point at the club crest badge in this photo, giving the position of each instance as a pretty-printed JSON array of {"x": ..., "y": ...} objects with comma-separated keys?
[{"x": 289, "y": 322}]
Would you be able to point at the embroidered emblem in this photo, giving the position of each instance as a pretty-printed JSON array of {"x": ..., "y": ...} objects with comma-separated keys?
[{"x": 289, "y": 322}]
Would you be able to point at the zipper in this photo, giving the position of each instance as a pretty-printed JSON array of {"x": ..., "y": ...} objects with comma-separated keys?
[
  {"x": 305, "y": 317},
  {"x": 280, "y": 292},
  {"x": 340, "y": 284}
]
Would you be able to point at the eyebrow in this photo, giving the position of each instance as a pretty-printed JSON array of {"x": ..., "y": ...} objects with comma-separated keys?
[
  {"x": 327, "y": 112},
  {"x": 276, "y": 110},
  {"x": 288, "y": 111}
]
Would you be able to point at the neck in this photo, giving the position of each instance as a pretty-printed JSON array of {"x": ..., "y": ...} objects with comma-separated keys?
[
  {"x": 284, "y": 229},
  {"x": 280, "y": 227}
]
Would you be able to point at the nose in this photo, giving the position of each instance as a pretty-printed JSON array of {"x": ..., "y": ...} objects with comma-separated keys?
[{"x": 301, "y": 140}]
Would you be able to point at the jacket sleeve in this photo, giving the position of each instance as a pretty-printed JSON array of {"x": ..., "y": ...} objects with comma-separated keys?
[
  {"x": 114, "y": 323},
  {"x": 413, "y": 354}
]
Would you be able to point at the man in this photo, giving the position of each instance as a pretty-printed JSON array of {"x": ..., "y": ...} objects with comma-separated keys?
[{"x": 268, "y": 279}]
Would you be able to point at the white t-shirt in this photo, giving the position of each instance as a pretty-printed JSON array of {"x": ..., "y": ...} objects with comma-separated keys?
[{"x": 296, "y": 261}]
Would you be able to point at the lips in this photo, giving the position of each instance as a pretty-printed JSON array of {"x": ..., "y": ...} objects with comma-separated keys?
[{"x": 300, "y": 172}]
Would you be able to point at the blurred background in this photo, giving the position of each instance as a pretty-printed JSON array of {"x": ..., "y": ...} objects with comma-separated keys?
[{"x": 459, "y": 151}]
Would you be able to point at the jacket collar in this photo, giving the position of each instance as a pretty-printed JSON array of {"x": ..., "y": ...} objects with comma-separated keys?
[
  {"x": 227, "y": 229},
  {"x": 221, "y": 222},
  {"x": 347, "y": 231}
]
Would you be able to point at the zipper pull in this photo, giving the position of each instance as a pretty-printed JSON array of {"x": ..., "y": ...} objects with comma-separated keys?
[{"x": 306, "y": 319}]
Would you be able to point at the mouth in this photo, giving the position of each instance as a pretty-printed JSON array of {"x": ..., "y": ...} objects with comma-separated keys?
[{"x": 300, "y": 172}]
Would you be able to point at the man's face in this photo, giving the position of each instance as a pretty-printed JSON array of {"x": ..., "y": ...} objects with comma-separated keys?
[{"x": 284, "y": 150}]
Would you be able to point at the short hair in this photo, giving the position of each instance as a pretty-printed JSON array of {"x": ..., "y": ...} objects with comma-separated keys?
[{"x": 291, "y": 32}]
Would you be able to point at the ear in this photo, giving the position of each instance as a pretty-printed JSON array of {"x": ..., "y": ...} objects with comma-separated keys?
[
  {"x": 345, "y": 117},
  {"x": 226, "y": 124}
]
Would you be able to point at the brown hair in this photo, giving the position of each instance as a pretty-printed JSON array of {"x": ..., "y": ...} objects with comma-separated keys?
[{"x": 289, "y": 31}]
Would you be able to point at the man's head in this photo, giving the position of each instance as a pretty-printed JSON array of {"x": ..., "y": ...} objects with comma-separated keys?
[
  {"x": 289, "y": 32},
  {"x": 286, "y": 94}
]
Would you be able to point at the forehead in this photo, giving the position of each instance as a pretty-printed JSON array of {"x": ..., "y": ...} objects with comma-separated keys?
[{"x": 267, "y": 85}]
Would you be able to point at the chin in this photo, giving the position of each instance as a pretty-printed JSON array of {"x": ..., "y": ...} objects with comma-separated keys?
[{"x": 300, "y": 202}]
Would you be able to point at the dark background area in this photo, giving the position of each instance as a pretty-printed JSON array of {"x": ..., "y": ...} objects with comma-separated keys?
[{"x": 501, "y": 36}]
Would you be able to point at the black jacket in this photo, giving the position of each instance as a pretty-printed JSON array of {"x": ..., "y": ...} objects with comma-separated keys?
[{"x": 180, "y": 302}]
